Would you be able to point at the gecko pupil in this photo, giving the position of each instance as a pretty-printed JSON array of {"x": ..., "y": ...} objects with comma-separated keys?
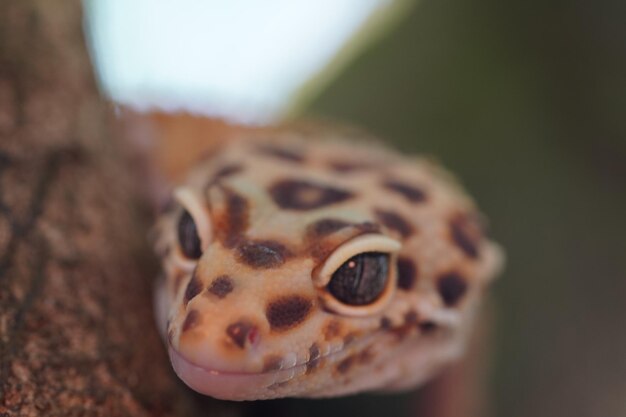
[
  {"x": 361, "y": 279},
  {"x": 188, "y": 236}
]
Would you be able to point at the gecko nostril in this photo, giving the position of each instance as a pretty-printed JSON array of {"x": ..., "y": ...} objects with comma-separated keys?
[
  {"x": 243, "y": 331},
  {"x": 253, "y": 336}
]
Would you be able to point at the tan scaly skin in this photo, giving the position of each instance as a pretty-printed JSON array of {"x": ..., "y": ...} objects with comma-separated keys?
[{"x": 310, "y": 264}]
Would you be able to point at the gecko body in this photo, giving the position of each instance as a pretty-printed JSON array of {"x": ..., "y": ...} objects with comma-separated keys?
[{"x": 310, "y": 265}]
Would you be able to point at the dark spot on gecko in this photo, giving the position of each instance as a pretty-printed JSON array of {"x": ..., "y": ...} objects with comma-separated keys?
[
  {"x": 193, "y": 288},
  {"x": 410, "y": 322},
  {"x": 320, "y": 250},
  {"x": 402, "y": 331},
  {"x": 191, "y": 321},
  {"x": 366, "y": 355},
  {"x": 345, "y": 365},
  {"x": 272, "y": 363},
  {"x": 287, "y": 312},
  {"x": 368, "y": 227},
  {"x": 466, "y": 234},
  {"x": 452, "y": 287},
  {"x": 412, "y": 193},
  {"x": 407, "y": 273},
  {"x": 242, "y": 331},
  {"x": 281, "y": 153},
  {"x": 221, "y": 286},
  {"x": 386, "y": 323},
  {"x": 395, "y": 222},
  {"x": 331, "y": 330},
  {"x": 262, "y": 254},
  {"x": 232, "y": 220},
  {"x": 346, "y": 167},
  {"x": 305, "y": 195},
  {"x": 314, "y": 358},
  {"x": 325, "y": 227},
  {"x": 410, "y": 318},
  {"x": 428, "y": 326}
]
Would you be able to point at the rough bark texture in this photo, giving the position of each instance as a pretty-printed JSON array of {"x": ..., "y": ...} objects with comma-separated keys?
[{"x": 76, "y": 328}]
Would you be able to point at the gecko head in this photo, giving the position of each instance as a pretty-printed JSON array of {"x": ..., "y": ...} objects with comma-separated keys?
[{"x": 284, "y": 280}]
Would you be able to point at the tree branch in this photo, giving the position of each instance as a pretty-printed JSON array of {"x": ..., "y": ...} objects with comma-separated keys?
[{"x": 77, "y": 335}]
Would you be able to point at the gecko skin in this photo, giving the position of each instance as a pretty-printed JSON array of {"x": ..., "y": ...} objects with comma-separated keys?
[{"x": 307, "y": 265}]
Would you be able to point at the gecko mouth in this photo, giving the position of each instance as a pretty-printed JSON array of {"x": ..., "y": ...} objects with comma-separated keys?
[
  {"x": 226, "y": 385},
  {"x": 234, "y": 385}
]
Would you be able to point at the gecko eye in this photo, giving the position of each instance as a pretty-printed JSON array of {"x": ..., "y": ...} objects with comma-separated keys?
[
  {"x": 359, "y": 277},
  {"x": 188, "y": 236},
  {"x": 193, "y": 227}
]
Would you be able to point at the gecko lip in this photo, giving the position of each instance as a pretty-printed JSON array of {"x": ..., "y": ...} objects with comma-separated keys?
[
  {"x": 234, "y": 385},
  {"x": 217, "y": 384}
]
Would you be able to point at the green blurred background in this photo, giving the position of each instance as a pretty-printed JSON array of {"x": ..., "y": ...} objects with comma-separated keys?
[{"x": 526, "y": 102}]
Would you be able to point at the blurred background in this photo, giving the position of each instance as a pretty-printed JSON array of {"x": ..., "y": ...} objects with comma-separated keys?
[{"x": 526, "y": 103}]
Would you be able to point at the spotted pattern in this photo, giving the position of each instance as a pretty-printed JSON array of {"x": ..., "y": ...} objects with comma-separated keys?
[
  {"x": 407, "y": 273},
  {"x": 345, "y": 167},
  {"x": 306, "y": 195},
  {"x": 428, "y": 326},
  {"x": 331, "y": 330},
  {"x": 466, "y": 234},
  {"x": 410, "y": 192},
  {"x": 345, "y": 365},
  {"x": 221, "y": 286},
  {"x": 452, "y": 287},
  {"x": 386, "y": 323},
  {"x": 366, "y": 355},
  {"x": 232, "y": 221},
  {"x": 262, "y": 254},
  {"x": 395, "y": 222},
  {"x": 325, "y": 227},
  {"x": 287, "y": 312},
  {"x": 410, "y": 317},
  {"x": 277, "y": 210}
]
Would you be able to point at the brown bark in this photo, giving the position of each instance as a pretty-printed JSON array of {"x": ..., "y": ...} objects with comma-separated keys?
[{"x": 76, "y": 327}]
